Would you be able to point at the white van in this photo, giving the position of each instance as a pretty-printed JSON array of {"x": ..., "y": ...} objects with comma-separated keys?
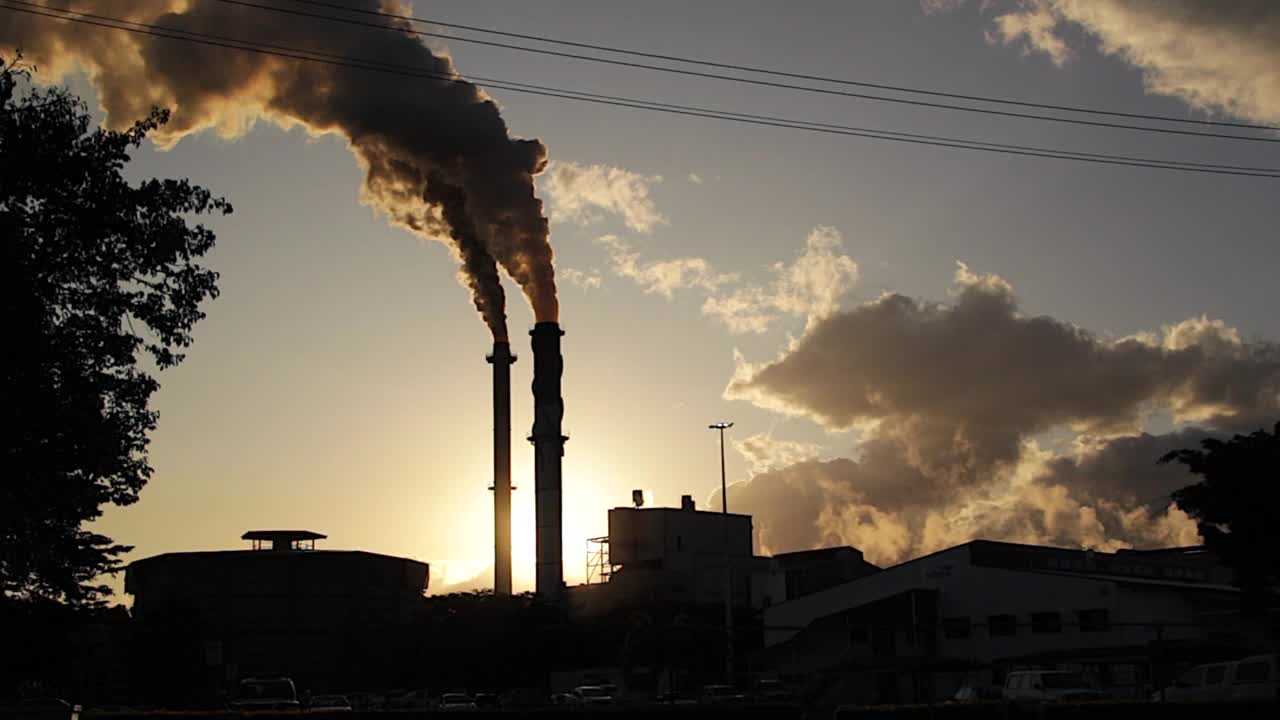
[
  {"x": 1049, "y": 686},
  {"x": 1255, "y": 678},
  {"x": 1202, "y": 683}
]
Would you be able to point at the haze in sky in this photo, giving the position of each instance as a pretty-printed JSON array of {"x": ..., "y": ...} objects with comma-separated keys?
[{"x": 918, "y": 345}]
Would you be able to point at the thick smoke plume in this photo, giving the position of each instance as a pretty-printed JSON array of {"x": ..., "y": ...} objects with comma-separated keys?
[
  {"x": 979, "y": 421},
  {"x": 437, "y": 156}
]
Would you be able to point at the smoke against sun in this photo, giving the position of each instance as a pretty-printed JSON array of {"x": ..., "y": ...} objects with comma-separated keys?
[{"x": 437, "y": 156}]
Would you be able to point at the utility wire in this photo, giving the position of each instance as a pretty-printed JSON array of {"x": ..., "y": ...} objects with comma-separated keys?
[
  {"x": 376, "y": 66},
  {"x": 780, "y": 73},
  {"x": 751, "y": 81}
]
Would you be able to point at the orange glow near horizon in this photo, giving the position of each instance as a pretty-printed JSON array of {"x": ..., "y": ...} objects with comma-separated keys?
[{"x": 587, "y": 499}]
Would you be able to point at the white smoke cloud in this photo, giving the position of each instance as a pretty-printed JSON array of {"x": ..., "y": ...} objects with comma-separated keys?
[
  {"x": 662, "y": 277},
  {"x": 763, "y": 452},
  {"x": 696, "y": 179},
  {"x": 580, "y": 193},
  {"x": 584, "y": 279},
  {"x": 951, "y": 399},
  {"x": 810, "y": 287},
  {"x": 1220, "y": 56}
]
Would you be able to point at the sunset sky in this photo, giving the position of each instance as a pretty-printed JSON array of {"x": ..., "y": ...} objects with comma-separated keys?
[{"x": 716, "y": 271}]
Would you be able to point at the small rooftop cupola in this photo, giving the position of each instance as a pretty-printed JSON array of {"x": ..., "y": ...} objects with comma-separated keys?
[{"x": 283, "y": 539}]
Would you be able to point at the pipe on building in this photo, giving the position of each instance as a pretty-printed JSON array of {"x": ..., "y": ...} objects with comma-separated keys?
[
  {"x": 548, "y": 450},
  {"x": 501, "y": 359}
]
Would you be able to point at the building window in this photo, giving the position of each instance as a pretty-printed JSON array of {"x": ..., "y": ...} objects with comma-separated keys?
[
  {"x": 858, "y": 635},
  {"x": 884, "y": 642},
  {"x": 1002, "y": 625},
  {"x": 1045, "y": 623},
  {"x": 1094, "y": 620},
  {"x": 955, "y": 628},
  {"x": 679, "y": 542}
]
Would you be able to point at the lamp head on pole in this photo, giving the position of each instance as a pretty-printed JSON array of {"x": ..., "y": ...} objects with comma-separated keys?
[{"x": 720, "y": 426}]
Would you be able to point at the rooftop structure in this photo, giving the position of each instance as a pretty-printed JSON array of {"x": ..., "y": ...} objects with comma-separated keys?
[{"x": 283, "y": 539}]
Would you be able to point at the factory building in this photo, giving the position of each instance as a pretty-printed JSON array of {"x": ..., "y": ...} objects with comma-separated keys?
[
  {"x": 677, "y": 556},
  {"x": 322, "y": 617},
  {"x": 810, "y": 571},
  {"x": 969, "y": 614}
]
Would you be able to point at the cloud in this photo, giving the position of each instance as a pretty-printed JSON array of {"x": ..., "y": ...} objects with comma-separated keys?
[
  {"x": 980, "y": 363},
  {"x": 695, "y": 178},
  {"x": 810, "y": 287},
  {"x": 579, "y": 193},
  {"x": 953, "y": 400},
  {"x": 764, "y": 452},
  {"x": 1221, "y": 56},
  {"x": 585, "y": 279},
  {"x": 662, "y": 277}
]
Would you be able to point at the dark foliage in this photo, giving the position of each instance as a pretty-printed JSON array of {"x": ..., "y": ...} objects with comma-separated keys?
[
  {"x": 97, "y": 276},
  {"x": 1235, "y": 503}
]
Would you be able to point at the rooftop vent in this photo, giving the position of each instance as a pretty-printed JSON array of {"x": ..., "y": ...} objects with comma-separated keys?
[{"x": 283, "y": 539}]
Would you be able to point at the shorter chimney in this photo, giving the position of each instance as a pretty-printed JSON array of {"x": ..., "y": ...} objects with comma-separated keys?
[{"x": 686, "y": 503}]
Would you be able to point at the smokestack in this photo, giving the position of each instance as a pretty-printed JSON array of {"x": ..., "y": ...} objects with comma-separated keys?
[
  {"x": 501, "y": 359},
  {"x": 548, "y": 449}
]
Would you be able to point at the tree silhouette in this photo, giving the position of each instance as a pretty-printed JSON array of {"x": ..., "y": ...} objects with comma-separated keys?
[
  {"x": 97, "y": 277},
  {"x": 1235, "y": 506}
]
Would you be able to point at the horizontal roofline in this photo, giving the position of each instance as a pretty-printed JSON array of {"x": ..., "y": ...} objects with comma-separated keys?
[
  {"x": 267, "y": 555},
  {"x": 283, "y": 535},
  {"x": 680, "y": 510}
]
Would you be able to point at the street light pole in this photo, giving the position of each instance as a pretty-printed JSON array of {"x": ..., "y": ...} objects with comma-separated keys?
[{"x": 728, "y": 569}]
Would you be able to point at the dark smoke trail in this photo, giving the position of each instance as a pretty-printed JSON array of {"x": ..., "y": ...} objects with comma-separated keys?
[{"x": 437, "y": 155}]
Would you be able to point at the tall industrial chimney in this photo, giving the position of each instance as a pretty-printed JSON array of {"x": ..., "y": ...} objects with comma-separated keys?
[
  {"x": 501, "y": 359},
  {"x": 548, "y": 449}
]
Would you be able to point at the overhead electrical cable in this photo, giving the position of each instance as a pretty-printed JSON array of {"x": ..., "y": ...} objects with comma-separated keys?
[
  {"x": 752, "y": 81},
  {"x": 781, "y": 73},
  {"x": 108, "y": 22}
]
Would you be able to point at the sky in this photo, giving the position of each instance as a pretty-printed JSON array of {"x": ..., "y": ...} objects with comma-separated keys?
[{"x": 911, "y": 341}]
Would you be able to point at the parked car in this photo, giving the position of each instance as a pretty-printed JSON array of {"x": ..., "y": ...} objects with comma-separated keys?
[
  {"x": 721, "y": 695},
  {"x": 592, "y": 695},
  {"x": 409, "y": 700},
  {"x": 1202, "y": 683},
  {"x": 456, "y": 701},
  {"x": 266, "y": 693},
  {"x": 978, "y": 693},
  {"x": 1255, "y": 678},
  {"x": 330, "y": 703},
  {"x": 40, "y": 708},
  {"x": 525, "y": 699},
  {"x": 1049, "y": 686},
  {"x": 565, "y": 699},
  {"x": 769, "y": 690},
  {"x": 361, "y": 700},
  {"x": 670, "y": 698}
]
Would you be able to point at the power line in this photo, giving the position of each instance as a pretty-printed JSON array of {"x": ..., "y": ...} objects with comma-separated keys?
[
  {"x": 751, "y": 81},
  {"x": 780, "y": 73},
  {"x": 376, "y": 66}
]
